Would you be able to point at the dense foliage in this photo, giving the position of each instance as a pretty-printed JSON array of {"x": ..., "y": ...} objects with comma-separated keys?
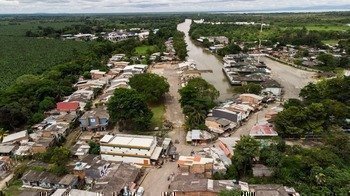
[
  {"x": 129, "y": 109},
  {"x": 180, "y": 45},
  {"x": 197, "y": 98},
  {"x": 58, "y": 158},
  {"x": 151, "y": 86},
  {"x": 249, "y": 88}
]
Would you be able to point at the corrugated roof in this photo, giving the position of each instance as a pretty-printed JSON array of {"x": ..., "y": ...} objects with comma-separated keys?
[
  {"x": 67, "y": 106},
  {"x": 196, "y": 134},
  {"x": 15, "y": 136}
]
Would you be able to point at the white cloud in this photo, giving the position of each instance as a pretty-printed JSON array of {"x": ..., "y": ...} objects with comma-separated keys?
[{"x": 111, "y": 6}]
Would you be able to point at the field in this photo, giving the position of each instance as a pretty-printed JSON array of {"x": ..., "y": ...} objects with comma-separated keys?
[
  {"x": 143, "y": 50},
  {"x": 23, "y": 55}
]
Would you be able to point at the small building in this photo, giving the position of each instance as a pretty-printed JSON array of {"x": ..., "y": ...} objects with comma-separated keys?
[
  {"x": 198, "y": 136},
  {"x": 251, "y": 99},
  {"x": 15, "y": 137},
  {"x": 7, "y": 150},
  {"x": 196, "y": 165},
  {"x": 37, "y": 179},
  {"x": 271, "y": 189},
  {"x": 5, "y": 164},
  {"x": 263, "y": 131},
  {"x": 69, "y": 106},
  {"x": 118, "y": 176},
  {"x": 42, "y": 144},
  {"x": 224, "y": 113},
  {"x": 91, "y": 168},
  {"x": 68, "y": 181},
  {"x": 136, "y": 149},
  {"x": 219, "y": 125},
  {"x": 191, "y": 186},
  {"x": 227, "y": 145},
  {"x": 95, "y": 120},
  {"x": 75, "y": 192},
  {"x": 97, "y": 74}
]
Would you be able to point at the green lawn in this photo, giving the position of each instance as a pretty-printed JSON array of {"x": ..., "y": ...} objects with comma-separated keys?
[
  {"x": 158, "y": 115},
  {"x": 142, "y": 50},
  {"x": 14, "y": 188}
]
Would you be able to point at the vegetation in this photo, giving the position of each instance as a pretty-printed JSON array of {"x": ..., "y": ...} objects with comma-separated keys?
[
  {"x": 158, "y": 115},
  {"x": 151, "y": 86},
  {"x": 129, "y": 109},
  {"x": 58, "y": 158},
  {"x": 197, "y": 98},
  {"x": 249, "y": 88},
  {"x": 94, "y": 148},
  {"x": 180, "y": 45}
]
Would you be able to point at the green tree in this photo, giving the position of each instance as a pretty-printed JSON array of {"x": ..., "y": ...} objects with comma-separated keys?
[
  {"x": 246, "y": 150},
  {"x": 232, "y": 192},
  {"x": 249, "y": 88},
  {"x": 94, "y": 148},
  {"x": 197, "y": 98},
  {"x": 128, "y": 108},
  {"x": 151, "y": 86},
  {"x": 47, "y": 103}
]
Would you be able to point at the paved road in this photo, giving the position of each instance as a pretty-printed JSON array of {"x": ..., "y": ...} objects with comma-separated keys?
[{"x": 291, "y": 79}]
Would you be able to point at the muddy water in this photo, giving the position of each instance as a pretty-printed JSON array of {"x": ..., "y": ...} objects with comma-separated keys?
[{"x": 207, "y": 61}]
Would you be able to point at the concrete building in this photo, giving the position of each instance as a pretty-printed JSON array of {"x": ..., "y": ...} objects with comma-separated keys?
[
  {"x": 15, "y": 137},
  {"x": 219, "y": 125},
  {"x": 136, "y": 149},
  {"x": 196, "y": 165},
  {"x": 94, "y": 120}
]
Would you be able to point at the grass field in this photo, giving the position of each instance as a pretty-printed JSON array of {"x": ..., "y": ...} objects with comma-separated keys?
[
  {"x": 158, "y": 115},
  {"x": 142, "y": 50}
]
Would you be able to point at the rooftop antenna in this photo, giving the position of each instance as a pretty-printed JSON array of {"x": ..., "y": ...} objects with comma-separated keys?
[{"x": 261, "y": 29}]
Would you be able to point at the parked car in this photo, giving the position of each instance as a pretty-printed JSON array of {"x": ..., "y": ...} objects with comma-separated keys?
[{"x": 140, "y": 191}]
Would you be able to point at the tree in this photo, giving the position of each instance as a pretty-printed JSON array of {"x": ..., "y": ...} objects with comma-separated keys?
[
  {"x": 94, "y": 148},
  {"x": 245, "y": 151},
  {"x": 47, "y": 103},
  {"x": 128, "y": 108},
  {"x": 151, "y": 86},
  {"x": 249, "y": 88},
  {"x": 197, "y": 98}
]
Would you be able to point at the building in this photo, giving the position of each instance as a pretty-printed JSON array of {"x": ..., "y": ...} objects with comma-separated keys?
[
  {"x": 196, "y": 165},
  {"x": 251, "y": 99},
  {"x": 67, "y": 106},
  {"x": 260, "y": 170},
  {"x": 227, "y": 145},
  {"x": 198, "y": 136},
  {"x": 118, "y": 176},
  {"x": 91, "y": 168},
  {"x": 224, "y": 113},
  {"x": 187, "y": 185},
  {"x": 94, "y": 120},
  {"x": 15, "y": 137},
  {"x": 7, "y": 150},
  {"x": 74, "y": 192},
  {"x": 136, "y": 149},
  {"x": 272, "y": 189},
  {"x": 97, "y": 74},
  {"x": 263, "y": 131},
  {"x": 219, "y": 125}
]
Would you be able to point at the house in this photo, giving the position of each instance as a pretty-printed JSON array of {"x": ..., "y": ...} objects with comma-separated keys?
[
  {"x": 187, "y": 185},
  {"x": 67, "y": 106},
  {"x": 68, "y": 181},
  {"x": 80, "y": 149},
  {"x": 42, "y": 144},
  {"x": 15, "y": 137},
  {"x": 227, "y": 145},
  {"x": 82, "y": 96},
  {"x": 219, "y": 125},
  {"x": 74, "y": 192},
  {"x": 136, "y": 149},
  {"x": 263, "y": 131},
  {"x": 91, "y": 168},
  {"x": 94, "y": 120},
  {"x": 135, "y": 69},
  {"x": 271, "y": 189},
  {"x": 198, "y": 136},
  {"x": 118, "y": 176},
  {"x": 251, "y": 99},
  {"x": 40, "y": 179},
  {"x": 196, "y": 165},
  {"x": 7, "y": 150},
  {"x": 5, "y": 164},
  {"x": 92, "y": 84},
  {"x": 97, "y": 74},
  {"x": 276, "y": 91},
  {"x": 227, "y": 114}
]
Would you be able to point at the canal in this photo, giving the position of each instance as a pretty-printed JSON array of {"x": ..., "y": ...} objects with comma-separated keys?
[{"x": 205, "y": 60}]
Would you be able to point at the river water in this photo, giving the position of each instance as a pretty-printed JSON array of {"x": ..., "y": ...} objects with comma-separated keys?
[{"x": 205, "y": 60}]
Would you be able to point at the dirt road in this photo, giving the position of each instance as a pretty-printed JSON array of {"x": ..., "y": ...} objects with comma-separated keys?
[
  {"x": 291, "y": 79},
  {"x": 156, "y": 180}
]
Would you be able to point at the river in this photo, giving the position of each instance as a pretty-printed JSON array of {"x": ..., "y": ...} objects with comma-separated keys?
[{"x": 205, "y": 60}]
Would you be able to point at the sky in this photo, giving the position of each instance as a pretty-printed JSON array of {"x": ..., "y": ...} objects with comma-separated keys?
[{"x": 125, "y": 6}]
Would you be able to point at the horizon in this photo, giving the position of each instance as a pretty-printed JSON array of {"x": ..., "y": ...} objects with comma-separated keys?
[{"x": 167, "y": 6}]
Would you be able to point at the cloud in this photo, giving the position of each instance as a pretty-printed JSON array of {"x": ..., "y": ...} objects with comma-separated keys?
[{"x": 110, "y": 6}]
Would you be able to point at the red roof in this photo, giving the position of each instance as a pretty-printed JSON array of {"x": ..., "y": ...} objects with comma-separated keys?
[
  {"x": 263, "y": 130},
  {"x": 67, "y": 106}
]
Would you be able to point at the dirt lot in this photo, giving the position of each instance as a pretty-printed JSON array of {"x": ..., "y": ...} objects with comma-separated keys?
[{"x": 292, "y": 79}]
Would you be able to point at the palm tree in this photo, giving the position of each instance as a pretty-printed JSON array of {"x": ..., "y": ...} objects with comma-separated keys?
[{"x": 3, "y": 133}]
